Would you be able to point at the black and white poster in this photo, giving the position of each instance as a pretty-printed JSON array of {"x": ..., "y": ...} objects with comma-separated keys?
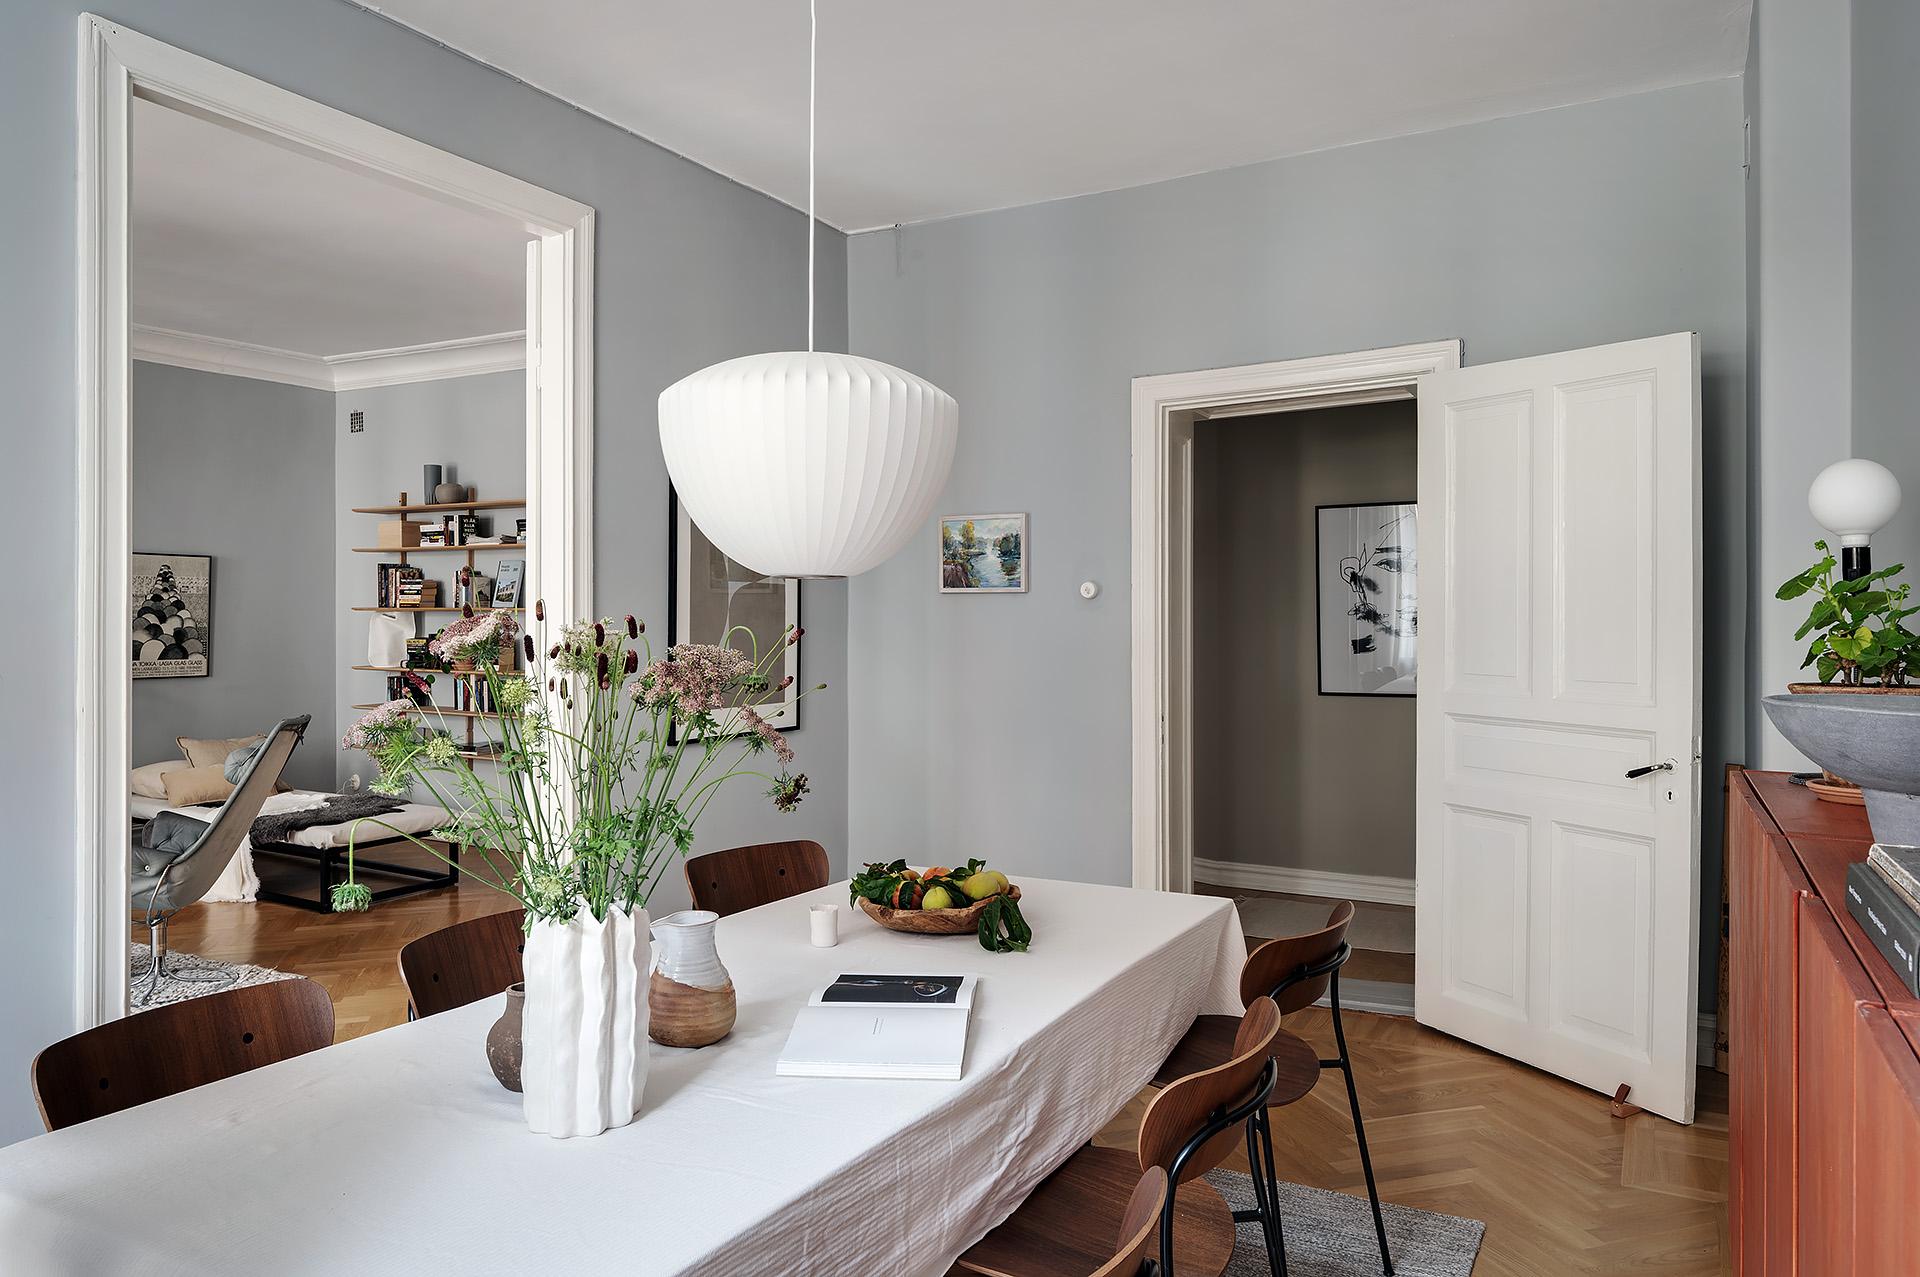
[
  {"x": 172, "y": 608},
  {"x": 1369, "y": 609}
]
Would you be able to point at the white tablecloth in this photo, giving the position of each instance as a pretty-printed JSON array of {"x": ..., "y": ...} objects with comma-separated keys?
[{"x": 398, "y": 1152}]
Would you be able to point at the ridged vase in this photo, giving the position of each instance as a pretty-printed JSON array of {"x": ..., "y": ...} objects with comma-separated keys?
[{"x": 583, "y": 1035}]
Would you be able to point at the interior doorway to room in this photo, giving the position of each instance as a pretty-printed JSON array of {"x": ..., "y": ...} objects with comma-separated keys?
[
  {"x": 1557, "y": 711},
  {"x": 195, "y": 319},
  {"x": 1305, "y": 550}
]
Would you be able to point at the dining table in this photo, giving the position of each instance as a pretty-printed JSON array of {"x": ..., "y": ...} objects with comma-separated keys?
[{"x": 398, "y": 1152}]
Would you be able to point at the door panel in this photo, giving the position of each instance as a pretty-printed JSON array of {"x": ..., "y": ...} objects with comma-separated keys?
[
  {"x": 1557, "y": 899},
  {"x": 1832, "y": 988},
  {"x": 1886, "y": 1231}
]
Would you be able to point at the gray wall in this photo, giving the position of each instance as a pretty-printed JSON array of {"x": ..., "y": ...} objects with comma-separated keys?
[
  {"x": 1886, "y": 258},
  {"x": 691, "y": 268},
  {"x": 475, "y": 426},
  {"x": 1284, "y": 775},
  {"x": 1551, "y": 231},
  {"x": 240, "y": 469},
  {"x": 1801, "y": 292}
]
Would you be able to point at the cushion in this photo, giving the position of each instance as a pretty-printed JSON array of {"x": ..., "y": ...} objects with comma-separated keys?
[
  {"x": 235, "y": 764},
  {"x": 191, "y": 786},
  {"x": 212, "y": 753},
  {"x": 146, "y": 780}
]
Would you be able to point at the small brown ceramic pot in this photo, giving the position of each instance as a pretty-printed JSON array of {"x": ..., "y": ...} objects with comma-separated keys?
[{"x": 503, "y": 1039}]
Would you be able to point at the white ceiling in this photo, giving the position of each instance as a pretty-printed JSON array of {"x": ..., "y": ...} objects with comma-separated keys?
[
  {"x": 931, "y": 109},
  {"x": 238, "y": 239}
]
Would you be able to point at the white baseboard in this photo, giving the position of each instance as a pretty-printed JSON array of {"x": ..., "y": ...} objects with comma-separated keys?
[
  {"x": 1708, "y": 1023},
  {"x": 1376, "y": 996},
  {"x": 1372, "y": 888}
]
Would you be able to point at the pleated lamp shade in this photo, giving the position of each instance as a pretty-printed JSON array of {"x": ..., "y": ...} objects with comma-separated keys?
[{"x": 808, "y": 464}]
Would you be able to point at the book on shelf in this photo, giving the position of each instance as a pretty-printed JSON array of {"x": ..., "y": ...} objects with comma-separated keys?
[
  {"x": 1889, "y": 921},
  {"x": 389, "y": 579}
]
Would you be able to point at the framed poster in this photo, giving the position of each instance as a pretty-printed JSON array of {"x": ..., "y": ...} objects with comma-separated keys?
[
  {"x": 714, "y": 597},
  {"x": 983, "y": 554},
  {"x": 1368, "y": 613},
  {"x": 171, "y": 611}
]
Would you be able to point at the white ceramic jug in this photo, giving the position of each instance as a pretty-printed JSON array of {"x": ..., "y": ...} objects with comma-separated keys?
[{"x": 690, "y": 991}]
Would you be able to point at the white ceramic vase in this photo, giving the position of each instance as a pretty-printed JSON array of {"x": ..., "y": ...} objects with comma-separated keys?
[{"x": 584, "y": 1030}]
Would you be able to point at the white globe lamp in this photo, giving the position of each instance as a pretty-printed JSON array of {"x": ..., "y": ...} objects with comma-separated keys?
[
  {"x": 807, "y": 463},
  {"x": 1853, "y": 499}
]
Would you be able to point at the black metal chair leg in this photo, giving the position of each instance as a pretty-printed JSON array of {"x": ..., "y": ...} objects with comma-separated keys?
[
  {"x": 1359, "y": 1128},
  {"x": 1266, "y": 1204},
  {"x": 1274, "y": 1229}
]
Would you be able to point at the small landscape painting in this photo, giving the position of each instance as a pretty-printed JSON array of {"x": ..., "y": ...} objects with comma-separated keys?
[{"x": 983, "y": 554}]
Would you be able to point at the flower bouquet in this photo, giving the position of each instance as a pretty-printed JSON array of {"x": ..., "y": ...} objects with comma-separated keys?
[{"x": 606, "y": 759}]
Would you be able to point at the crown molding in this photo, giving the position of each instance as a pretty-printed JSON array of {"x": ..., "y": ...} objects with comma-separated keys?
[{"x": 357, "y": 370}]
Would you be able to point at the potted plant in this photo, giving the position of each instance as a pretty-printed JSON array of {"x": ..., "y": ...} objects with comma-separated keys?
[
  {"x": 1859, "y": 641},
  {"x": 606, "y": 760}
]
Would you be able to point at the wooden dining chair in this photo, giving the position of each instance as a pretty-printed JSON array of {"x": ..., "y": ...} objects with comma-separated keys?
[
  {"x": 1067, "y": 1226},
  {"x": 174, "y": 1048},
  {"x": 1294, "y": 971},
  {"x": 463, "y": 963},
  {"x": 742, "y": 877}
]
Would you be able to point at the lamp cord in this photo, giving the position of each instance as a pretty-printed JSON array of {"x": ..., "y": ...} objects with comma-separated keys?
[{"x": 813, "y": 74}]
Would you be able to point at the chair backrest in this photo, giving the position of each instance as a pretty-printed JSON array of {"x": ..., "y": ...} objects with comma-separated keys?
[
  {"x": 200, "y": 866},
  {"x": 1183, "y": 1110},
  {"x": 743, "y": 877},
  {"x": 1139, "y": 1226},
  {"x": 1275, "y": 960},
  {"x": 174, "y": 1048},
  {"x": 463, "y": 963}
]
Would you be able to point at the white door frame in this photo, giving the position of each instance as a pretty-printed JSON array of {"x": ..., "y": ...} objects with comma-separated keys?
[
  {"x": 1165, "y": 407},
  {"x": 117, "y": 65}
]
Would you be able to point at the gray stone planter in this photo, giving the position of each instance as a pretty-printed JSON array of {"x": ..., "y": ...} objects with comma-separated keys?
[{"x": 1873, "y": 741}]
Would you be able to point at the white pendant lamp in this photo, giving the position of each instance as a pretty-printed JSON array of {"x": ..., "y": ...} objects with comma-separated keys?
[{"x": 807, "y": 463}]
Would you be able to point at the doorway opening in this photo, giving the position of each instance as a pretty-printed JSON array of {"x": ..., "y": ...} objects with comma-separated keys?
[
  {"x": 1303, "y": 597},
  {"x": 120, "y": 68}
]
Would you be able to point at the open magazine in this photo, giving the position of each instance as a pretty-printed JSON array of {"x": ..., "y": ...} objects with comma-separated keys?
[{"x": 882, "y": 1026}]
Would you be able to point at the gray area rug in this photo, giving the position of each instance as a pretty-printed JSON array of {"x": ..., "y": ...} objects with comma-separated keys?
[
  {"x": 172, "y": 990},
  {"x": 1331, "y": 1235}
]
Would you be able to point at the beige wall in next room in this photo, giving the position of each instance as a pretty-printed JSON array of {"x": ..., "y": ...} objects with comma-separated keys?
[{"x": 1282, "y": 775}]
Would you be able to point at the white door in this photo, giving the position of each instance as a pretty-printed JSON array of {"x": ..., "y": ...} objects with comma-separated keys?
[{"x": 1558, "y": 894}]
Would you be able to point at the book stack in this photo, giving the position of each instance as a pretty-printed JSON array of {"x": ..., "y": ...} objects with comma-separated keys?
[
  {"x": 389, "y": 578},
  {"x": 419, "y": 657},
  {"x": 418, "y": 592},
  {"x": 1883, "y": 895}
]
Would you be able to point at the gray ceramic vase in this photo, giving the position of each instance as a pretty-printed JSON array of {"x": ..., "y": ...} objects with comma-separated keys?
[
  {"x": 1873, "y": 741},
  {"x": 503, "y": 1039}
]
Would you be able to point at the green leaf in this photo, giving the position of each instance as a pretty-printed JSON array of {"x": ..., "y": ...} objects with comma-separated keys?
[
  {"x": 1795, "y": 586},
  {"x": 1850, "y": 647},
  {"x": 1829, "y": 666}
]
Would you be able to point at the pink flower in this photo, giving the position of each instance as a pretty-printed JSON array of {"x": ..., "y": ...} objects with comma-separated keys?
[{"x": 769, "y": 733}]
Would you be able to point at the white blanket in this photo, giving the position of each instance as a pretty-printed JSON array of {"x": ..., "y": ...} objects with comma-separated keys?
[{"x": 238, "y": 883}]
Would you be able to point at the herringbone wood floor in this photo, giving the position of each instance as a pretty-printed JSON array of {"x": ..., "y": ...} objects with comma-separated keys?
[{"x": 1563, "y": 1187}]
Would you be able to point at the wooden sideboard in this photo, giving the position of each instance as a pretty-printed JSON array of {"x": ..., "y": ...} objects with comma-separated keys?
[{"x": 1824, "y": 1050}]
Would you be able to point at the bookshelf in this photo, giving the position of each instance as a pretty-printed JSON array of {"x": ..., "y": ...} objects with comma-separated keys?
[{"x": 466, "y": 745}]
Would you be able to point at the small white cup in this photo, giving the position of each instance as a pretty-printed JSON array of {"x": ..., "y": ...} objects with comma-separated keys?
[{"x": 825, "y": 922}]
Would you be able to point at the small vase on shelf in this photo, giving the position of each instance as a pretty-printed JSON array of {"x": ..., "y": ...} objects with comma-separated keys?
[{"x": 449, "y": 493}]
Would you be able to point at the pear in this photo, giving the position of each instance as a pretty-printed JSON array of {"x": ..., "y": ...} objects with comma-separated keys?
[
  {"x": 937, "y": 898},
  {"x": 987, "y": 882}
]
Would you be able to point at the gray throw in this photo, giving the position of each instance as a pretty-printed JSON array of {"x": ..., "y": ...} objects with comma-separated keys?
[{"x": 337, "y": 810}]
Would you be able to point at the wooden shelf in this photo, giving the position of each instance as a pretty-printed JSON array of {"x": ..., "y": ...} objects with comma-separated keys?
[
  {"x": 436, "y": 549},
  {"x": 358, "y": 608},
  {"x": 414, "y": 669},
  {"x": 445, "y": 711},
  {"x": 451, "y": 507}
]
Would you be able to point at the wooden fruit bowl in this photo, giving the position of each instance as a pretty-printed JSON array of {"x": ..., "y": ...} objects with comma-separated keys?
[{"x": 932, "y": 922}]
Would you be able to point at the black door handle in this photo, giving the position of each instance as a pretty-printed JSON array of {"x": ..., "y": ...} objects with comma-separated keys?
[{"x": 1649, "y": 769}]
